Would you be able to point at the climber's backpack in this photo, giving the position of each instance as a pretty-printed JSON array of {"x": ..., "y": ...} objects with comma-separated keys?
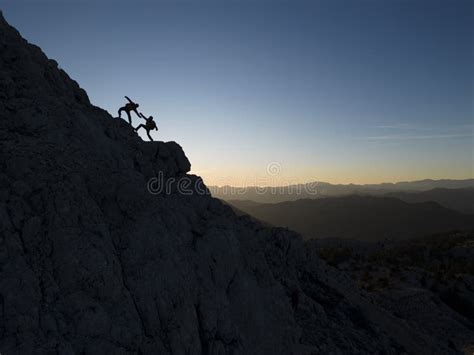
[{"x": 150, "y": 125}]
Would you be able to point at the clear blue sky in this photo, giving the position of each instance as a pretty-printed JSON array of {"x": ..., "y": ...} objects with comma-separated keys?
[{"x": 338, "y": 91}]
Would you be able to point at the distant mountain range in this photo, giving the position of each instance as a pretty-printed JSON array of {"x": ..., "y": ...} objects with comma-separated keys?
[
  {"x": 324, "y": 189},
  {"x": 358, "y": 217}
]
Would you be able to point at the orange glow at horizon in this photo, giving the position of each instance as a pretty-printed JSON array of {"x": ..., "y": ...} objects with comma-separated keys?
[{"x": 250, "y": 177}]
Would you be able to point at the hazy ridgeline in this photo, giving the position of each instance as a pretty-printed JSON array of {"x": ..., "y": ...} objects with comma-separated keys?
[{"x": 323, "y": 189}]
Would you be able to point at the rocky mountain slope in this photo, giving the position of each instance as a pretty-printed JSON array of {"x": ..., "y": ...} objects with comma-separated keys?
[
  {"x": 92, "y": 262},
  {"x": 426, "y": 281}
]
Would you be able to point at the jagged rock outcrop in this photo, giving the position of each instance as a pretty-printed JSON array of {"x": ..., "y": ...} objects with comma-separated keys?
[{"x": 95, "y": 259}]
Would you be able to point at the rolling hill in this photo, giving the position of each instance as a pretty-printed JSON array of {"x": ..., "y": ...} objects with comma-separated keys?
[
  {"x": 461, "y": 200},
  {"x": 358, "y": 217}
]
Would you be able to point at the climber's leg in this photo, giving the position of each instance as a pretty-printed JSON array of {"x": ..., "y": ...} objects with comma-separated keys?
[
  {"x": 148, "y": 134},
  {"x": 139, "y": 126}
]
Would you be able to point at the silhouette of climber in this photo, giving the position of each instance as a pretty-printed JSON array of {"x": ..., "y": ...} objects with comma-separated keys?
[
  {"x": 295, "y": 298},
  {"x": 129, "y": 107},
  {"x": 149, "y": 125}
]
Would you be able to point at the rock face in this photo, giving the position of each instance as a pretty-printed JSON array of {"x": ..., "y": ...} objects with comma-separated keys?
[{"x": 107, "y": 245}]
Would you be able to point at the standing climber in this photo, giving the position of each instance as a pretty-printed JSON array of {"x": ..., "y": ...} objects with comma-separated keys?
[
  {"x": 129, "y": 107},
  {"x": 149, "y": 125}
]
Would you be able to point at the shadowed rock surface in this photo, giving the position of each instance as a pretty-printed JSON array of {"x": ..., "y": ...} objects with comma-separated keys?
[{"x": 91, "y": 262}]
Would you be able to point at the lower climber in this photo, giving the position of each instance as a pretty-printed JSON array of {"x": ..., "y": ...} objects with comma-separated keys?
[{"x": 149, "y": 125}]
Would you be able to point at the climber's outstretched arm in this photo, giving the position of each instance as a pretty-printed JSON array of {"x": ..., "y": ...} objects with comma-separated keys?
[
  {"x": 136, "y": 112},
  {"x": 129, "y": 100}
]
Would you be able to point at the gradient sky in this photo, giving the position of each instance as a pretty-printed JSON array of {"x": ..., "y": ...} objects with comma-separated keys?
[{"x": 337, "y": 91}]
